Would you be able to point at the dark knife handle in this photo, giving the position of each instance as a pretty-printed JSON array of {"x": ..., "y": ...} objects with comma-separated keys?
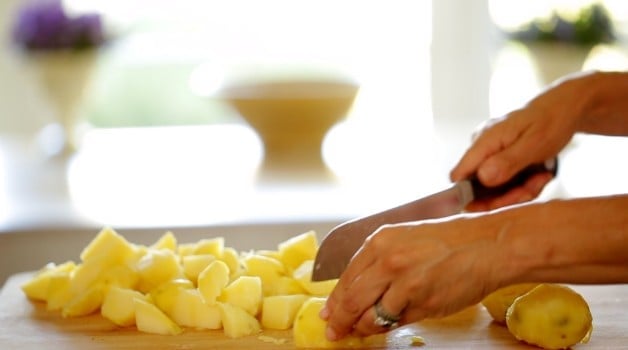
[{"x": 483, "y": 192}]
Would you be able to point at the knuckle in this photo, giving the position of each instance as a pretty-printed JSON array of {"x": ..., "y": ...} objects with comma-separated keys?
[{"x": 396, "y": 261}]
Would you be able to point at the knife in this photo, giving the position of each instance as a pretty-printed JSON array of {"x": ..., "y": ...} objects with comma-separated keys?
[{"x": 341, "y": 243}]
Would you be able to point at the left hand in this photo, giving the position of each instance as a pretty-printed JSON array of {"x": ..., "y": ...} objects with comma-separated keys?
[{"x": 419, "y": 270}]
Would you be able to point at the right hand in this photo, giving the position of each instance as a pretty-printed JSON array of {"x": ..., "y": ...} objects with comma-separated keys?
[{"x": 532, "y": 134}]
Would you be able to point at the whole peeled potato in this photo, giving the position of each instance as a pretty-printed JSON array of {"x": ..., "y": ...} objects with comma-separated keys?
[
  {"x": 551, "y": 316},
  {"x": 498, "y": 302}
]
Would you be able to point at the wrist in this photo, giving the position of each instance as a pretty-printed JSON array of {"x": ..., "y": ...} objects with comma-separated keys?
[
  {"x": 521, "y": 249},
  {"x": 603, "y": 98}
]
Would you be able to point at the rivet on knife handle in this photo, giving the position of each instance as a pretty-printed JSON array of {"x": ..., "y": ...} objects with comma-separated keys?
[{"x": 482, "y": 192}]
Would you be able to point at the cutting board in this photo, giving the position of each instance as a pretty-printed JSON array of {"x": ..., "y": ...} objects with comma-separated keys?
[{"x": 27, "y": 325}]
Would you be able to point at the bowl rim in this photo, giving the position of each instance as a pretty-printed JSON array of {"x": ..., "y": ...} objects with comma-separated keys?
[{"x": 290, "y": 88}]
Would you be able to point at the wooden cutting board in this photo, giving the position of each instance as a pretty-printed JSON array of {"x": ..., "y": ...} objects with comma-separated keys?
[{"x": 27, "y": 325}]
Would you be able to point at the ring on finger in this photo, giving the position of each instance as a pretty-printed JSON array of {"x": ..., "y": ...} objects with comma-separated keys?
[{"x": 383, "y": 318}]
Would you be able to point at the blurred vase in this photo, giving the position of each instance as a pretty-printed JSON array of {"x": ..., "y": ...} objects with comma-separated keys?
[
  {"x": 554, "y": 60},
  {"x": 64, "y": 76}
]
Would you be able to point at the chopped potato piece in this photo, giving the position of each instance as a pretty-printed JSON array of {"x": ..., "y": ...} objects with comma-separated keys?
[
  {"x": 84, "y": 303},
  {"x": 110, "y": 244},
  {"x": 268, "y": 269},
  {"x": 303, "y": 274},
  {"x": 167, "y": 293},
  {"x": 150, "y": 319},
  {"x": 119, "y": 305},
  {"x": 279, "y": 311},
  {"x": 59, "y": 293},
  {"x": 236, "y": 322},
  {"x": 309, "y": 329},
  {"x": 212, "y": 280},
  {"x": 37, "y": 287},
  {"x": 167, "y": 241},
  {"x": 231, "y": 257},
  {"x": 157, "y": 267},
  {"x": 214, "y": 246},
  {"x": 191, "y": 311},
  {"x": 245, "y": 292},
  {"x": 193, "y": 265},
  {"x": 294, "y": 251}
]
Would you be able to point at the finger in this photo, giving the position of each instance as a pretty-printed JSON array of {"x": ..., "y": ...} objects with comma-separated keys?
[
  {"x": 391, "y": 303},
  {"x": 361, "y": 294},
  {"x": 469, "y": 163},
  {"x": 503, "y": 165},
  {"x": 360, "y": 262},
  {"x": 488, "y": 143}
]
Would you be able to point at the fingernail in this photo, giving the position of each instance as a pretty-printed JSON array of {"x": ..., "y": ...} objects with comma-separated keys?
[
  {"x": 324, "y": 313},
  {"x": 331, "y": 334}
]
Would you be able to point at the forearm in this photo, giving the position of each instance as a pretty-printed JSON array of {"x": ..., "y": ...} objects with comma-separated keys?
[{"x": 568, "y": 241}]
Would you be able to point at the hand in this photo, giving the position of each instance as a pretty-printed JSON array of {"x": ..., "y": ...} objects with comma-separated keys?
[
  {"x": 529, "y": 135},
  {"x": 419, "y": 270}
]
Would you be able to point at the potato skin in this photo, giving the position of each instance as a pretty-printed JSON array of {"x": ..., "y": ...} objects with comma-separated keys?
[
  {"x": 550, "y": 316},
  {"x": 498, "y": 302}
]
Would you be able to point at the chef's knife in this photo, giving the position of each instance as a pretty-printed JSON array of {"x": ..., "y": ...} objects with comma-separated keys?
[{"x": 341, "y": 243}]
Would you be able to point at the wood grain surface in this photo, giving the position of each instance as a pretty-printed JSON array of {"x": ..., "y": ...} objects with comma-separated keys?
[{"x": 27, "y": 325}]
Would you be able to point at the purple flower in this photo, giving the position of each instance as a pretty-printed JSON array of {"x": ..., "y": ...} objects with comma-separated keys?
[{"x": 44, "y": 25}]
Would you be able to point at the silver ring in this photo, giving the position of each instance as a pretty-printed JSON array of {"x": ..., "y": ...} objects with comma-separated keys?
[{"x": 383, "y": 318}]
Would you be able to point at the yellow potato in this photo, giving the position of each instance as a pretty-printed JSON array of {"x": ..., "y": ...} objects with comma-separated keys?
[
  {"x": 185, "y": 249},
  {"x": 309, "y": 329},
  {"x": 59, "y": 292},
  {"x": 157, "y": 267},
  {"x": 231, "y": 257},
  {"x": 245, "y": 292},
  {"x": 89, "y": 272},
  {"x": 285, "y": 285},
  {"x": 279, "y": 311},
  {"x": 167, "y": 293},
  {"x": 236, "y": 322},
  {"x": 85, "y": 303},
  {"x": 193, "y": 265},
  {"x": 550, "y": 316},
  {"x": 303, "y": 274},
  {"x": 214, "y": 246},
  {"x": 150, "y": 319},
  {"x": 119, "y": 305},
  {"x": 190, "y": 310},
  {"x": 294, "y": 251},
  {"x": 267, "y": 268},
  {"x": 36, "y": 288},
  {"x": 123, "y": 276},
  {"x": 212, "y": 280},
  {"x": 108, "y": 243},
  {"x": 498, "y": 302},
  {"x": 167, "y": 241}
]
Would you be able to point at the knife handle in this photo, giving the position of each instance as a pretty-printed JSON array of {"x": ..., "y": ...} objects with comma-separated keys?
[{"x": 483, "y": 192}]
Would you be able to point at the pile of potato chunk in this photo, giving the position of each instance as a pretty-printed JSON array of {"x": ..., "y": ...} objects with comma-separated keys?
[{"x": 168, "y": 287}]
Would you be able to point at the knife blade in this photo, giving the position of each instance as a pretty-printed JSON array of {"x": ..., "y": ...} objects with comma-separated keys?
[{"x": 341, "y": 243}]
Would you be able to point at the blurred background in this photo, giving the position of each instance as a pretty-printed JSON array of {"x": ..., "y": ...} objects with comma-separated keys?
[{"x": 133, "y": 130}]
